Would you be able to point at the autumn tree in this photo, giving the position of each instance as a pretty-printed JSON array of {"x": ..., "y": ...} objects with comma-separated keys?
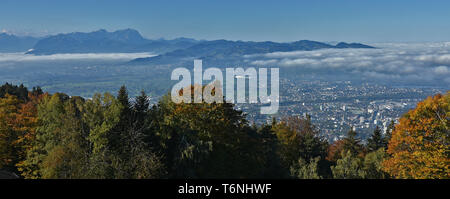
[
  {"x": 419, "y": 146},
  {"x": 299, "y": 139},
  {"x": 25, "y": 126},
  {"x": 9, "y": 150},
  {"x": 335, "y": 150},
  {"x": 60, "y": 148},
  {"x": 348, "y": 157}
]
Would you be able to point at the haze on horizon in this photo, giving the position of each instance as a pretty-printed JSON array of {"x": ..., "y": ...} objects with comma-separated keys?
[{"x": 346, "y": 20}]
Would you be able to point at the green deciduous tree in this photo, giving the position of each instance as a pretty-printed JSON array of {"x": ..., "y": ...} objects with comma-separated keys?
[
  {"x": 372, "y": 165},
  {"x": 306, "y": 170},
  {"x": 348, "y": 167}
]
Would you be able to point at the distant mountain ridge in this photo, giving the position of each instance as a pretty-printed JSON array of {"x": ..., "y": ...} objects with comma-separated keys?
[
  {"x": 13, "y": 43},
  {"x": 221, "y": 52},
  {"x": 170, "y": 51},
  {"x": 102, "y": 41}
]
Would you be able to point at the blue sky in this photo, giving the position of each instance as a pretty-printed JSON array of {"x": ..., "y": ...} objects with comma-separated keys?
[{"x": 321, "y": 20}]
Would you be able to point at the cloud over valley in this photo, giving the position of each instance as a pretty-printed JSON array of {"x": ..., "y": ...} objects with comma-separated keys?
[{"x": 389, "y": 61}]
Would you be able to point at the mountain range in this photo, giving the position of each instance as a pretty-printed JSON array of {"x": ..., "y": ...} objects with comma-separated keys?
[
  {"x": 169, "y": 51},
  {"x": 102, "y": 41},
  {"x": 13, "y": 43},
  {"x": 224, "y": 52}
]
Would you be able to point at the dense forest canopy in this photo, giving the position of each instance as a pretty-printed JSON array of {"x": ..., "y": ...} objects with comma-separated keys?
[{"x": 46, "y": 135}]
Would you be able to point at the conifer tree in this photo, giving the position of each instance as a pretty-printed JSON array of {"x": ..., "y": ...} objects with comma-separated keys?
[
  {"x": 122, "y": 97},
  {"x": 375, "y": 141},
  {"x": 141, "y": 108},
  {"x": 388, "y": 134},
  {"x": 271, "y": 164},
  {"x": 352, "y": 143},
  {"x": 118, "y": 134}
]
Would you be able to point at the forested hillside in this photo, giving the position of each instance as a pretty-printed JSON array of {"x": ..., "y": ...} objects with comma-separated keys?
[{"x": 46, "y": 135}]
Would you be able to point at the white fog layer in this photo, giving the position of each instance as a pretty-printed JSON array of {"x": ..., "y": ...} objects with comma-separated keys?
[{"x": 418, "y": 61}]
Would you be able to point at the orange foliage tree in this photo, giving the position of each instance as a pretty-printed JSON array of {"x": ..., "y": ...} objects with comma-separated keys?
[
  {"x": 335, "y": 150},
  {"x": 18, "y": 122},
  {"x": 419, "y": 146},
  {"x": 25, "y": 126}
]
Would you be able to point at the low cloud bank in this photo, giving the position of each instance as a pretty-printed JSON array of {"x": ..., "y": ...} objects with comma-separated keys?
[
  {"x": 21, "y": 57},
  {"x": 395, "y": 61}
]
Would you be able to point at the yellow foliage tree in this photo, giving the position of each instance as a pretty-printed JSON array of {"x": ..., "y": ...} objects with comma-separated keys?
[
  {"x": 8, "y": 114},
  {"x": 419, "y": 146}
]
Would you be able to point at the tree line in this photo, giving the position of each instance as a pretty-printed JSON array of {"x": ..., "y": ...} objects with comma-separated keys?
[{"x": 46, "y": 135}]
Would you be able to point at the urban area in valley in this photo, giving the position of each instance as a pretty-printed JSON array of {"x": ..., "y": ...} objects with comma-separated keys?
[{"x": 335, "y": 107}]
